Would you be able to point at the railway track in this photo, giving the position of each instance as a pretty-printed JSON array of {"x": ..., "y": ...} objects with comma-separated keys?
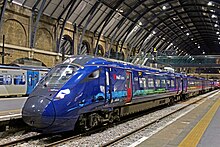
[
  {"x": 15, "y": 142},
  {"x": 70, "y": 137}
]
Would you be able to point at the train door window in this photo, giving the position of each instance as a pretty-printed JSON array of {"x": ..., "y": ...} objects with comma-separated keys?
[
  {"x": 157, "y": 82},
  {"x": 5, "y": 80},
  {"x": 30, "y": 80},
  {"x": 151, "y": 83},
  {"x": 19, "y": 80},
  {"x": 142, "y": 82}
]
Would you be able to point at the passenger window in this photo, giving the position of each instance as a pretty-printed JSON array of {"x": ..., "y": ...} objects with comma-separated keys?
[
  {"x": 151, "y": 83},
  {"x": 142, "y": 82},
  {"x": 5, "y": 80},
  {"x": 19, "y": 79},
  {"x": 172, "y": 83},
  {"x": 94, "y": 75},
  {"x": 157, "y": 83},
  {"x": 163, "y": 83}
]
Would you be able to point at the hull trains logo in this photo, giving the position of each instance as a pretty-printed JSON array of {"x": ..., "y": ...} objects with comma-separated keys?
[{"x": 118, "y": 77}]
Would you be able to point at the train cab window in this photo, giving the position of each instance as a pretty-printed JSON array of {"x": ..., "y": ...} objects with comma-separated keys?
[
  {"x": 94, "y": 74},
  {"x": 142, "y": 82},
  {"x": 151, "y": 83},
  {"x": 5, "y": 80},
  {"x": 19, "y": 80},
  {"x": 59, "y": 75},
  {"x": 157, "y": 82}
]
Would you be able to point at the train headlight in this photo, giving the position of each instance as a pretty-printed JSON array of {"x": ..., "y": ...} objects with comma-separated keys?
[{"x": 62, "y": 94}]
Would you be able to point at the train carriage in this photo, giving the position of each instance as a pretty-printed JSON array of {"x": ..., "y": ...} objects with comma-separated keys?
[
  {"x": 19, "y": 79},
  {"x": 86, "y": 91}
]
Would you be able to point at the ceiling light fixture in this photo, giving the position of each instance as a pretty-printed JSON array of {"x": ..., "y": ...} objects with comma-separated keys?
[
  {"x": 164, "y": 7},
  {"x": 187, "y": 34},
  {"x": 209, "y": 4},
  {"x": 214, "y": 16}
]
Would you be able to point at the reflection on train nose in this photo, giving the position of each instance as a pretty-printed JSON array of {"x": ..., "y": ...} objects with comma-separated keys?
[{"x": 38, "y": 112}]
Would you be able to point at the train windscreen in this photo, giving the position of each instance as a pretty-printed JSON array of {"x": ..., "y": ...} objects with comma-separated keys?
[{"x": 59, "y": 75}]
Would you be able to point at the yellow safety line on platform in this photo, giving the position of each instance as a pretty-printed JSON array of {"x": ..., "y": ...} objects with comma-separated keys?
[{"x": 193, "y": 138}]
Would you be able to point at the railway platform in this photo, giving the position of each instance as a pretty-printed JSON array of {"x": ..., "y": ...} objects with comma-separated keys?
[
  {"x": 10, "y": 108},
  {"x": 200, "y": 127}
]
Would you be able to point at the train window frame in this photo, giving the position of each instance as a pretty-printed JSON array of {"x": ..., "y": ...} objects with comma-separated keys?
[
  {"x": 157, "y": 83},
  {"x": 5, "y": 82},
  {"x": 94, "y": 75},
  {"x": 142, "y": 83},
  {"x": 21, "y": 82},
  {"x": 150, "y": 83}
]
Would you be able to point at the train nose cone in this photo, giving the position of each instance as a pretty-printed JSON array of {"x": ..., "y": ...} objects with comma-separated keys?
[{"x": 39, "y": 112}]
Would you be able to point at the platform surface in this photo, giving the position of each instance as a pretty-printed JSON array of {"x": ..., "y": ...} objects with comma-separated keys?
[
  {"x": 200, "y": 127},
  {"x": 10, "y": 108}
]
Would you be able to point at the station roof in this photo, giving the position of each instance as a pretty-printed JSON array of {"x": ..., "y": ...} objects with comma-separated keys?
[{"x": 183, "y": 26}]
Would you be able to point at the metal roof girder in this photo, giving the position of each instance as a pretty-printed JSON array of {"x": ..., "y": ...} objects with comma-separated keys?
[
  {"x": 36, "y": 22},
  {"x": 2, "y": 12},
  {"x": 91, "y": 15}
]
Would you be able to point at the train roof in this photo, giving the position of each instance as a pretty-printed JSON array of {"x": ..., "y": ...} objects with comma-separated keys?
[
  {"x": 84, "y": 60},
  {"x": 24, "y": 67}
]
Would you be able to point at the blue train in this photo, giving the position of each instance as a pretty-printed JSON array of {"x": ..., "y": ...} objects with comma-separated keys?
[
  {"x": 19, "y": 79},
  {"x": 85, "y": 92}
]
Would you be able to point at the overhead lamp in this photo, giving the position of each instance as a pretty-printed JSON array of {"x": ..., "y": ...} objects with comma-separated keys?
[
  {"x": 120, "y": 10},
  {"x": 192, "y": 58},
  {"x": 218, "y": 38},
  {"x": 210, "y": 3},
  {"x": 198, "y": 46},
  {"x": 174, "y": 18},
  {"x": 203, "y": 52},
  {"x": 217, "y": 32},
  {"x": 195, "y": 43},
  {"x": 212, "y": 10},
  {"x": 191, "y": 38},
  {"x": 187, "y": 34},
  {"x": 214, "y": 16},
  {"x": 181, "y": 27},
  {"x": 140, "y": 23},
  {"x": 216, "y": 25},
  {"x": 154, "y": 32},
  {"x": 164, "y": 38},
  {"x": 164, "y": 7}
]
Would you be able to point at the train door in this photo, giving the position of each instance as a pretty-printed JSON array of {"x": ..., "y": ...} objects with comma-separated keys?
[
  {"x": 29, "y": 81},
  {"x": 35, "y": 78},
  {"x": 129, "y": 86},
  {"x": 108, "y": 91},
  {"x": 32, "y": 79}
]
